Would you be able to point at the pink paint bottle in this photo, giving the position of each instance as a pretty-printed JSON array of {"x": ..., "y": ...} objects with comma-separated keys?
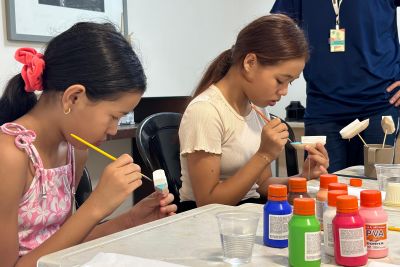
[
  {"x": 349, "y": 233},
  {"x": 375, "y": 223}
]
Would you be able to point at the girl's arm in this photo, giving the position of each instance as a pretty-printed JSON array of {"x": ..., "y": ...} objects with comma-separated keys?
[
  {"x": 204, "y": 173},
  {"x": 149, "y": 209},
  {"x": 204, "y": 169},
  {"x": 13, "y": 173},
  {"x": 266, "y": 180},
  {"x": 14, "y": 168}
]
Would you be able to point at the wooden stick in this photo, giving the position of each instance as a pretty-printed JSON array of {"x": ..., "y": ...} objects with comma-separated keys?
[
  {"x": 365, "y": 144},
  {"x": 309, "y": 169},
  {"x": 384, "y": 139}
]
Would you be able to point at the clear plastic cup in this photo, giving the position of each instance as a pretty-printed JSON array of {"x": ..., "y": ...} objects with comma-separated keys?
[
  {"x": 238, "y": 231},
  {"x": 387, "y": 173}
]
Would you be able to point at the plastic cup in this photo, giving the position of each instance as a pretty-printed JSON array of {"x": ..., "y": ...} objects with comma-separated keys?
[
  {"x": 238, "y": 231},
  {"x": 387, "y": 173}
]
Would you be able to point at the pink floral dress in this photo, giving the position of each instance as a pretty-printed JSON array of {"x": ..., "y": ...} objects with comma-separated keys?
[{"x": 47, "y": 203}]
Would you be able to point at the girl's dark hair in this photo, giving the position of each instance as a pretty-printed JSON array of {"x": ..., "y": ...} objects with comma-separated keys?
[
  {"x": 271, "y": 38},
  {"x": 94, "y": 55}
]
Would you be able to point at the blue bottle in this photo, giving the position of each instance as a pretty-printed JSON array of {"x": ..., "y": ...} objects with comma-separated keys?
[{"x": 277, "y": 214}]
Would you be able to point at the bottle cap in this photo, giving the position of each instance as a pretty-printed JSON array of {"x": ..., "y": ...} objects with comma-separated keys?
[
  {"x": 356, "y": 182},
  {"x": 298, "y": 185},
  {"x": 370, "y": 198},
  {"x": 337, "y": 186},
  {"x": 326, "y": 179},
  {"x": 304, "y": 206},
  {"x": 346, "y": 204},
  {"x": 277, "y": 192},
  {"x": 333, "y": 194}
]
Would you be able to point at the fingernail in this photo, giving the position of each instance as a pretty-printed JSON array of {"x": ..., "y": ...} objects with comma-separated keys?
[{"x": 391, "y": 101}]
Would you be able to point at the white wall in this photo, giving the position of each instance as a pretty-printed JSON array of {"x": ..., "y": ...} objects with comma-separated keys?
[
  {"x": 176, "y": 40},
  {"x": 8, "y": 66}
]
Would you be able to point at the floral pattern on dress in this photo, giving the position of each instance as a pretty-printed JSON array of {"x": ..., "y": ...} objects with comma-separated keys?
[{"x": 48, "y": 201}]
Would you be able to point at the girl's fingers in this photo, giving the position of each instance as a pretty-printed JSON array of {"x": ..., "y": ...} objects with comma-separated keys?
[
  {"x": 130, "y": 168},
  {"x": 134, "y": 185},
  {"x": 280, "y": 128},
  {"x": 321, "y": 148},
  {"x": 130, "y": 178},
  {"x": 122, "y": 160},
  {"x": 166, "y": 200},
  {"x": 169, "y": 209},
  {"x": 323, "y": 170}
]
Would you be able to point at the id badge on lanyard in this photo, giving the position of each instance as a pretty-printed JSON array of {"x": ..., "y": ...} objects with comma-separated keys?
[{"x": 337, "y": 35}]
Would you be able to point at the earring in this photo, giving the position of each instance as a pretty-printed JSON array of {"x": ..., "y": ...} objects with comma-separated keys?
[{"x": 68, "y": 111}]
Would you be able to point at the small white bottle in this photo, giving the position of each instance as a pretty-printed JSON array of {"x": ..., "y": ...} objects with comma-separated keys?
[
  {"x": 328, "y": 216},
  {"x": 160, "y": 181}
]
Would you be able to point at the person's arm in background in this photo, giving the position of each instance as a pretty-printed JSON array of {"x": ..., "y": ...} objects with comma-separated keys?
[{"x": 291, "y": 8}]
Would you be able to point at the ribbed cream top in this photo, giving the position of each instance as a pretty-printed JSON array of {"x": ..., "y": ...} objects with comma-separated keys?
[{"x": 211, "y": 124}]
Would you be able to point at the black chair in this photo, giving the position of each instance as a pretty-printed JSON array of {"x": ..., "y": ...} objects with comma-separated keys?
[
  {"x": 158, "y": 144},
  {"x": 292, "y": 166},
  {"x": 84, "y": 189}
]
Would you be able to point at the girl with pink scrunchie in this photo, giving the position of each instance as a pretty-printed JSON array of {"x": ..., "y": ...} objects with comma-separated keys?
[{"x": 89, "y": 77}]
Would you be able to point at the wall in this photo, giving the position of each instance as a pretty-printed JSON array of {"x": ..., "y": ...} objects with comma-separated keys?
[{"x": 177, "y": 39}]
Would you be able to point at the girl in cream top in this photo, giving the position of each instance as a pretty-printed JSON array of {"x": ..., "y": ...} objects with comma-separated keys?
[
  {"x": 226, "y": 148},
  {"x": 210, "y": 124}
]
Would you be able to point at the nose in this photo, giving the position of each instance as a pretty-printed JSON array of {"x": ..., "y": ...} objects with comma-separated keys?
[
  {"x": 113, "y": 129},
  {"x": 284, "y": 90}
]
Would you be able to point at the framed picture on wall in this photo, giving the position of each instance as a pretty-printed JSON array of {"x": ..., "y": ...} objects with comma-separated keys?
[{"x": 40, "y": 20}]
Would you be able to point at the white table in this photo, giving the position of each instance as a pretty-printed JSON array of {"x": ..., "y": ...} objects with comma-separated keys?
[{"x": 191, "y": 239}]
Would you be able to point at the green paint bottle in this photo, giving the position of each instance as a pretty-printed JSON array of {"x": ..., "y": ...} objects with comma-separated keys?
[{"x": 304, "y": 235}]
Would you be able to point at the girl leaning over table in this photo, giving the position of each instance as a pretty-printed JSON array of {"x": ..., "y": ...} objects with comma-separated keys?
[{"x": 226, "y": 148}]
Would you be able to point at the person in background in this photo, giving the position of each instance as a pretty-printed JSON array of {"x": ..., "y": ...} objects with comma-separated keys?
[
  {"x": 353, "y": 71},
  {"x": 226, "y": 147},
  {"x": 90, "y": 78}
]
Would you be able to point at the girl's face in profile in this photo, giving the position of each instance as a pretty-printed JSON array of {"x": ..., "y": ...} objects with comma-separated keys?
[
  {"x": 269, "y": 83},
  {"x": 100, "y": 118}
]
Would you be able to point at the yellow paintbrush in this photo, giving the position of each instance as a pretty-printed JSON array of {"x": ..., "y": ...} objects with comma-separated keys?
[
  {"x": 394, "y": 228},
  {"x": 101, "y": 151}
]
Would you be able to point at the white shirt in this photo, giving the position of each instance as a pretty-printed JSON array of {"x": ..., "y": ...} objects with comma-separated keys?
[{"x": 211, "y": 124}]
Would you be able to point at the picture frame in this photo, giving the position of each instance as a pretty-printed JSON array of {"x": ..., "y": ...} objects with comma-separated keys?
[{"x": 41, "y": 20}]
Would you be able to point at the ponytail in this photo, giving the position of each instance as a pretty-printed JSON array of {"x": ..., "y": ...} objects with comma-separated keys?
[
  {"x": 15, "y": 101},
  {"x": 215, "y": 72}
]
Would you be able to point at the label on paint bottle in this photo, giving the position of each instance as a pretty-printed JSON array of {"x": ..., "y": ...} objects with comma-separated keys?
[
  {"x": 328, "y": 228},
  {"x": 278, "y": 226},
  {"x": 376, "y": 234},
  {"x": 352, "y": 242},
  {"x": 320, "y": 208},
  {"x": 312, "y": 246}
]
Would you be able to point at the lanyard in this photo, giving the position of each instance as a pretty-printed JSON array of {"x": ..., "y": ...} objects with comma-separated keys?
[{"x": 336, "y": 7}]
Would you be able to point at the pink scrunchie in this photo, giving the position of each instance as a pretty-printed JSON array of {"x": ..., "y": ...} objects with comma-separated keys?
[{"x": 32, "y": 70}]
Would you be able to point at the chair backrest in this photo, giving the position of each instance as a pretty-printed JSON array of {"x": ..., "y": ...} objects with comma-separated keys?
[
  {"x": 84, "y": 189},
  {"x": 158, "y": 144},
  {"x": 292, "y": 166}
]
